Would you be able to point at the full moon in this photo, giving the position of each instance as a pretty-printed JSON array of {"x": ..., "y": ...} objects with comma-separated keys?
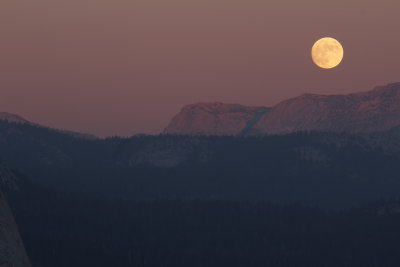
[{"x": 327, "y": 53}]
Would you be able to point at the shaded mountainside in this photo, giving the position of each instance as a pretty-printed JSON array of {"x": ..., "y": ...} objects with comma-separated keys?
[
  {"x": 376, "y": 110},
  {"x": 71, "y": 229},
  {"x": 328, "y": 169}
]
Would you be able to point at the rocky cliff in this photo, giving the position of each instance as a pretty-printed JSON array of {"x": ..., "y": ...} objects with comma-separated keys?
[
  {"x": 12, "y": 251},
  {"x": 214, "y": 119}
]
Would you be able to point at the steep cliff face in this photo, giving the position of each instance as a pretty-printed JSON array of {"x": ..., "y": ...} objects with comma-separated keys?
[
  {"x": 12, "y": 251},
  {"x": 214, "y": 119},
  {"x": 376, "y": 110}
]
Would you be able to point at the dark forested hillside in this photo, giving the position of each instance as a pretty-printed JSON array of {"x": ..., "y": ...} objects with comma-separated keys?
[
  {"x": 325, "y": 169},
  {"x": 63, "y": 230}
]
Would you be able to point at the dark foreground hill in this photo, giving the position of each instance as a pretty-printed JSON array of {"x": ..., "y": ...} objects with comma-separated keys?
[
  {"x": 63, "y": 230},
  {"x": 178, "y": 201}
]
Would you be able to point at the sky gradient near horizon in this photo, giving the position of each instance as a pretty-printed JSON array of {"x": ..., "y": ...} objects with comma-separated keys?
[{"x": 121, "y": 67}]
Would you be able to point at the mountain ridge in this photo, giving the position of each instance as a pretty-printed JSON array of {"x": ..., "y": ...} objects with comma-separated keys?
[
  {"x": 14, "y": 118},
  {"x": 367, "y": 111}
]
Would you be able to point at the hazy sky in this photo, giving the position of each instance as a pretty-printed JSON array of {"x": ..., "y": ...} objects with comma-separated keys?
[{"x": 120, "y": 67}]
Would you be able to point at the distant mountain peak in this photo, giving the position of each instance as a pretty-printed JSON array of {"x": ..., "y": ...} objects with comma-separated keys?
[
  {"x": 12, "y": 118},
  {"x": 370, "y": 111},
  {"x": 388, "y": 87},
  {"x": 9, "y": 117}
]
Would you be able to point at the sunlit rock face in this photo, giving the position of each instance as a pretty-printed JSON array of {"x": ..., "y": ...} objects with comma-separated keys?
[
  {"x": 214, "y": 119},
  {"x": 376, "y": 110}
]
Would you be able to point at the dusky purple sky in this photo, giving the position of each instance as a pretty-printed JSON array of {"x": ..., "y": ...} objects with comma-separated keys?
[{"x": 121, "y": 67}]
